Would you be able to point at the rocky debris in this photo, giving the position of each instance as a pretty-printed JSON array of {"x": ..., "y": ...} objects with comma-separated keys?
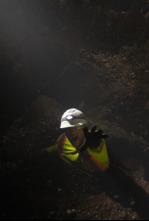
[
  {"x": 37, "y": 129},
  {"x": 95, "y": 56},
  {"x": 70, "y": 211}
]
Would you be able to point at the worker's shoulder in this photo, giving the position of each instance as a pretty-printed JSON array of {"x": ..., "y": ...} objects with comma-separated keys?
[{"x": 61, "y": 138}]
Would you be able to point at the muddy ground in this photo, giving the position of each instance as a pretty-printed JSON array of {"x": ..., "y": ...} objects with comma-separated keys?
[{"x": 92, "y": 56}]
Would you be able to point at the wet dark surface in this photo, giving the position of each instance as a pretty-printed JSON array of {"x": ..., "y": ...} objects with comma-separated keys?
[{"x": 91, "y": 55}]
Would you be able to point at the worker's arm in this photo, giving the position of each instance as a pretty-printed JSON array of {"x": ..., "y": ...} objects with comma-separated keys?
[{"x": 52, "y": 149}]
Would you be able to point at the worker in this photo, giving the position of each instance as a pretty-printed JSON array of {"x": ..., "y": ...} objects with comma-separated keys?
[{"x": 80, "y": 147}]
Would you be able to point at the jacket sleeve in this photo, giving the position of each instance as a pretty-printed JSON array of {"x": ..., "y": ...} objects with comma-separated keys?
[{"x": 52, "y": 149}]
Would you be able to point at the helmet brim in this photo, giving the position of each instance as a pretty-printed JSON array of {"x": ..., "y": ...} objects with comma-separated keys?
[{"x": 73, "y": 123}]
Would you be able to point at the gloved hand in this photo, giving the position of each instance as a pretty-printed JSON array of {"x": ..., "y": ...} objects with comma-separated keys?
[{"x": 93, "y": 138}]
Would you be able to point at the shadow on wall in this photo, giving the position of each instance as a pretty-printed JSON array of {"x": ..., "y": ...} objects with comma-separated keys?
[
  {"x": 131, "y": 155},
  {"x": 127, "y": 158},
  {"x": 121, "y": 188}
]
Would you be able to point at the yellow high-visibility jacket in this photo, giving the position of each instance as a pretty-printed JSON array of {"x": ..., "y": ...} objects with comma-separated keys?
[{"x": 94, "y": 160}]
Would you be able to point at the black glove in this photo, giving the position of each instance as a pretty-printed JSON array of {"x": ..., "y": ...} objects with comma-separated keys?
[{"x": 93, "y": 138}]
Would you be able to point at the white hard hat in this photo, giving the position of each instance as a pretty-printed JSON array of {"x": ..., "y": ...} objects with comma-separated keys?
[{"x": 73, "y": 118}]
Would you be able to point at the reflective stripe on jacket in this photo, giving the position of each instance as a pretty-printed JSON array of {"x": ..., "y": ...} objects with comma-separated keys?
[{"x": 94, "y": 160}]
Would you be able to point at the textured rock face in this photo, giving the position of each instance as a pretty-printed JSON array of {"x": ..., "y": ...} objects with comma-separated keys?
[
  {"x": 39, "y": 124},
  {"x": 87, "y": 54}
]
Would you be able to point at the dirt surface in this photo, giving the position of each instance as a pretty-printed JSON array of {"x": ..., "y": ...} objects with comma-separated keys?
[
  {"x": 91, "y": 55},
  {"x": 35, "y": 185}
]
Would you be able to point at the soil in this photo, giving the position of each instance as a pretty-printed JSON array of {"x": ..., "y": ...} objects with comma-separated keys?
[
  {"x": 36, "y": 185},
  {"x": 91, "y": 55}
]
